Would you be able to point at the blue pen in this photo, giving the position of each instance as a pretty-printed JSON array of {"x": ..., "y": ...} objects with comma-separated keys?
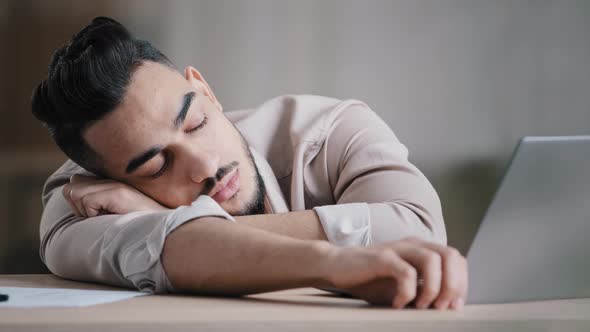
[{"x": 3, "y": 297}]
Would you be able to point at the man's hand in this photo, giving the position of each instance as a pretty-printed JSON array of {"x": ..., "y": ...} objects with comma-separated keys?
[
  {"x": 401, "y": 272},
  {"x": 89, "y": 197}
]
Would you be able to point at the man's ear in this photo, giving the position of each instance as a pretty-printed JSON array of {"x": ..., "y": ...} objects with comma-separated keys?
[{"x": 197, "y": 80}]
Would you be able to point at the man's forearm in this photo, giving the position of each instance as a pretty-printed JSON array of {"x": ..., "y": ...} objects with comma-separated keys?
[
  {"x": 215, "y": 256},
  {"x": 304, "y": 225}
]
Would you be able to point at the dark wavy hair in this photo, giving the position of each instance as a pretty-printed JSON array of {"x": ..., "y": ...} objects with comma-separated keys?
[{"x": 87, "y": 78}]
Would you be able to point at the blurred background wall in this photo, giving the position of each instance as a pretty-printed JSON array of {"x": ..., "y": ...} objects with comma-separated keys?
[{"x": 459, "y": 81}]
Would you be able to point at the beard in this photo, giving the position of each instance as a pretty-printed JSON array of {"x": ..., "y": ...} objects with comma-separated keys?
[{"x": 255, "y": 204}]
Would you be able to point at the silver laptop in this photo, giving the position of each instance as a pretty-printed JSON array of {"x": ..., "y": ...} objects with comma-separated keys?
[{"x": 534, "y": 242}]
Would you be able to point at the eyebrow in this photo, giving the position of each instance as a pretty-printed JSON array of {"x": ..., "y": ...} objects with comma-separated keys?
[
  {"x": 141, "y": 159},
  {"x": 186, "y": 104}
]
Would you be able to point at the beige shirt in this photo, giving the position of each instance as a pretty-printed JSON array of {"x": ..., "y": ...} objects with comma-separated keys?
[{"x": 335, "y": 157}]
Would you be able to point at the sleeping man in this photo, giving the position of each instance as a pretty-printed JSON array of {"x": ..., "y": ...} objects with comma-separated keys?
[{"x": 164, "y": 192}]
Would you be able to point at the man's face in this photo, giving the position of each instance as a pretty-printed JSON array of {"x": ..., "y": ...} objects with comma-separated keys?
[{"x": 169, "y": 139}]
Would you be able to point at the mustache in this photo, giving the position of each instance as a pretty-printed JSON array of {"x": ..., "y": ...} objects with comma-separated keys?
[{"x": 221, "y": 172}]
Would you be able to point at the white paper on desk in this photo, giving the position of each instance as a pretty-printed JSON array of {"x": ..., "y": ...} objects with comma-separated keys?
[{"x": 25, "y": 297}]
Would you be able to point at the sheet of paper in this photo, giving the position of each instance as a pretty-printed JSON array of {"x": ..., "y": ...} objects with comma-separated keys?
[{"x": 25, "y": 297}]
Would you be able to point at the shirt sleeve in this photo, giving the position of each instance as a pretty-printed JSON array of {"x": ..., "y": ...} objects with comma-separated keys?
[
  {"x": 119, "y": 250},
  {"x": 380, "y": 196}
]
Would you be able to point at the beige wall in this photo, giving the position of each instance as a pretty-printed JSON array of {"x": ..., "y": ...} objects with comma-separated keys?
[{"x": 459, "y": 81}]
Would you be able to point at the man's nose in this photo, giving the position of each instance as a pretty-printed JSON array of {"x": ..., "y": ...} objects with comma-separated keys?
[{"x": 203, "y": 165}]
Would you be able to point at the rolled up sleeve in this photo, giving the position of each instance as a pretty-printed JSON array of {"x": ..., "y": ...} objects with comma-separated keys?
[
  {"x": 380, "y": 195},
  {"x": 119, "y": 250}
]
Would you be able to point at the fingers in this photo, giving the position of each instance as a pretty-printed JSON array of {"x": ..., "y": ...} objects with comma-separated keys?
[
  {"x": 404, "y": 275},
  {"x": 454, "y": 280},
  {"x": 378, "y": 292},
  {"x": 66, "y": 192},
  {"x": 81, "y": 186},
  {"x": 94, "y": 203},
  {"x": 89, "y": 197},
  {"x": 429, "y": 266},
  {"x": 76, "y": 192},
  {"x": 442, "y": 269}
]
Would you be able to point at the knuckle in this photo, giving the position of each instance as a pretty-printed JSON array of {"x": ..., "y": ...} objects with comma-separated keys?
[
  {"x": 66, "y": 190},
  {"x": 408, "y": 274},
  {"x": 406, "y": 292},
  {"x": 74, "y": 194},
  {"x": 451, "y": 253},
  {"x": 432, "y": 259},
  {"x": 384, "y": 257},
  {"x": 86, "y": 200}
]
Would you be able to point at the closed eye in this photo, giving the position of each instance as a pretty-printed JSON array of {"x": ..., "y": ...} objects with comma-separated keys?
[
  {"x": 166, "y": 157},
  {"x": 197, "y": 127},
  {"x": 163, "y": 168}
]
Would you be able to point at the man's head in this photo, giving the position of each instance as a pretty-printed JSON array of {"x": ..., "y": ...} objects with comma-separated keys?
[{"x": 117, "y": 106}]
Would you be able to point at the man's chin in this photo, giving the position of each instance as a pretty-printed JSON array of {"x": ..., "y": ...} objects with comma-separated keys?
[
  {"x": 234, "y": 206},
  {"x": 241, "y": 208}
]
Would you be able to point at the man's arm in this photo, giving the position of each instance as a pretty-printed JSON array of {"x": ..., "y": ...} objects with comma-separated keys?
[
  {"x": 380, "y": 195},
  {"x": 171, "y": 251},
  {"x": 304, "y": 225},
  {"x": 221, "y": 257},
  {"x": 88, "y": 196},
  {"x": 215, "y": 256},
  {"x": 122, "y": 250}
]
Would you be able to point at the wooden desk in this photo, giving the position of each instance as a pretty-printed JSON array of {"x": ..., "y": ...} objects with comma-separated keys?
[{"x": 303, "y": 309}]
